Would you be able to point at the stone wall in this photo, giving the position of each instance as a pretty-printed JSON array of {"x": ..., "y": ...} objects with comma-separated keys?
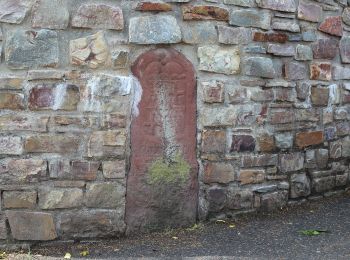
[{"x": 273, "y": 113}]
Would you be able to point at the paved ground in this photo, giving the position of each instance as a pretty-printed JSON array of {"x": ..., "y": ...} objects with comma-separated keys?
[{"x": 272, "y": 236}]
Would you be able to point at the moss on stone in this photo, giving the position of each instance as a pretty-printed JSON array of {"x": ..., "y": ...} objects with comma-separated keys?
[{"x": 163, "y": 171}]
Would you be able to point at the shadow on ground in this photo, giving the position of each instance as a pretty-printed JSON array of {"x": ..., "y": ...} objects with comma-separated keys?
[{"x": 271, "y": 236}]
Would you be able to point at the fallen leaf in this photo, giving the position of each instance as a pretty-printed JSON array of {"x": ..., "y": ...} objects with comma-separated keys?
[
  {"x": 175, "y": 238},
  {"x": 313, "y": 232},
  {"x": 84, "y": 253},
  {"x": 232, "y": 226},
  {"x": 67, "y": 256},
  {"x": 3, "y": 255},
  {"x": 220, "y": 221}
]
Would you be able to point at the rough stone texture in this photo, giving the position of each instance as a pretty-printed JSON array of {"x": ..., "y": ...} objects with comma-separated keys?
[
  {"x": 332, "y": 25},
  {"x": 53, "y": 198},
  {"x": 278, "y": 5},
  {"x": 19, "y": 199},
  {"x": 232, "y": 35},
  {"x": 27, "y": 225},
  {"x": 50, "y": 14},
  {"x": 309, "y": 11},
  {"x": 153, "y": 7},
  {"x": 91, "y": 51},
  {"x": 32, "y": 49},
  {"x": 213, "y": 141},
  {"x": 10, "y": 145},
  {"x": 325, "y": 48},
  {"x": 273, "y": 201},
  {"x": 92, "y": 223},
  {"x": 270, "y": 37},
  {"x": 14, "y": 11},
  {"x": 251, "y": 18},
  {"x": 105, "y": 195},
  {"x": 344, "y": 47},
  {"x": 154, "y": 30},
  {"x": 321, "y": 71},
  {"x": 3, "y": 229},
  {"x": 218, "y": 173},
  {"x": 291, "y": 162},
  {"x": 201, "y": 32},
  {"x": 251, "y": 176},
  {"x": 259, "y": 67},
  {"x": 98, "y": 16},
  {"x": 204, "y": 12},
  {"x": 219, "y": 60},
  {"x": 305, "y": 139},
  {"x": 51, "y": 144},
  {"x": 300, "y": 186},
  {"x": 243, "y": 143}
]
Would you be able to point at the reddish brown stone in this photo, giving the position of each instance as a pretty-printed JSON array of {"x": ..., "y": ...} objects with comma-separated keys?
[
  {"x": 325, "y": 48},
  {"x": 213, "y": 92},
  {"x": 281, "y": 117},
  {"x": 321, "y": 71},
  {"x": 243, "y": 143},
  {"x": 84, "y": 170},
  {"x": 163, "y": 135},
  {"x": 204, "y": 12},
  {"x": 213, "y": 141},
  {"x": 251, "y": 176},
  {"x": 153, "y": 7},
  {"x": 266, "y": 142},
  {"x": 305, "y": 139},
  {"x": 319, "y": 96},
  {"x": 51, "y": 144},
  {"x": 332, "y": 25},
  {"x": 218, "y": 173},
  {"x": 13, "y": 101},
  {"x": 270, "y": 37}
]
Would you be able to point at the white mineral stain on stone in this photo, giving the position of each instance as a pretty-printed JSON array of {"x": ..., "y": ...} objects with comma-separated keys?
[
  {"x": 333, "y": 96},
  {"x": 60, "y": 93}
]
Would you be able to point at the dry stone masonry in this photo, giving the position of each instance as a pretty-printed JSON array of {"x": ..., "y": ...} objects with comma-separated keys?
[{"x": 121, "y": 116}]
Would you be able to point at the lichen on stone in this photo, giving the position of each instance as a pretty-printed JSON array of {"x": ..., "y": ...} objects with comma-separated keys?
[{"x": 169, "y": 171}]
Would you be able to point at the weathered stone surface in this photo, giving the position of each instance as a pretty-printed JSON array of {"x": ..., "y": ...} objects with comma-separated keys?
[
  {"x": 344, "y": 47},
  {"x": 50, "y": 14},
  {"x": 19, "y": 199},
  {"x": 332, "y": 25},
  {"x": 13, "y": 101},
  {"x": 270, "y": 37},
  {"x": 278, "y": 5},
  {"x": 346, "y": 16},
  {"x": 242, "y": 143},
  {"x": 281, "y": 116},
  {"x": 213, "y": 141},
  {"x": 84, "y": 170},
  {"x": 346, "y": 147},
  {"x": 216, "y": 172},
  {"x": 120, "y": 59},
  {"x": 232, "y": 35},
  {"x": 266, "y": 142},
  {"x": 107, "y": 143},
  {"x": 31, "y": 225},
  {"x": 11, "y": 145},
  {"x": 273, "y": 201},
  {"x": 284, "y": 140},
  {"x": 56, "y": 198},
  {"x": 19, "y": 171},
  {"x": 249, "y": 161},
  {"x": 11, "y": 82},
  {"x": 146, "y": 6},
  {"x": 91, "y": 51},
  {"x": 305, "y": 139},
  {"x": 92, "y": 223},
  {"x": 295, "y": 71},
  {"x": 285, "y": 94},
  {"x": 343, "y": 128},
  {"x": 163, "y": 138},
  {"x": 325, "y": 48},
  {"x": 251, "y": 176},
  {"x": 213, "y": 91},
  {"x": 105, "y": 195},
  {"x": 319, "y": 96},
  {"x": 251, "y": 18},
  {"x": 199, "y": 32},
  {"x": 259, "y": 67},
  {"x": 309, "y": 11},
  {"x": 217, "y": 198},
  {"x": 14, "y": 11},
  {"x": 51, "y": 144},
  {"x": 285, "y": 25},
  {"x": 303, "y": 52},
  {"x": 31, "y": 49},
  {"x": 59, "y": 96},
  {"x": 204, "y": 12},
  {"x": 3, "y": 228},
  {"x": 10, "y": 122},
  {"x": 114, "y": 169},
  {"x": 262, "y": 95},
  {"x": 245, "y": 3},
  {"x": 281, "y": 50},
  {"x": 300, "y": 186},
  {"x": 340, "y": 72},
  {"x": 154, "y": 30},
  {"x": 291, "y": 162},
  {"x": 219, "y": 60},
  {"x": 323, "y": 184},
  {"x": 98, "y": 16},
  {"x": 321, "y": 71}
]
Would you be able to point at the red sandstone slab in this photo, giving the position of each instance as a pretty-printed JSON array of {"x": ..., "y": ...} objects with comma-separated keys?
[{"x": 162, "y": 182}]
